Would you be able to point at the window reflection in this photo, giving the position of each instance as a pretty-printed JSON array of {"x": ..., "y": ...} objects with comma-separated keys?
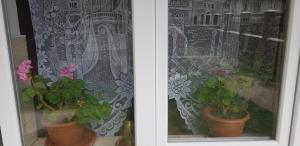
[{"x": 243, "y": 39}]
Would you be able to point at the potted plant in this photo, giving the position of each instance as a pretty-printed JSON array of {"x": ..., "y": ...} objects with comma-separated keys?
[
  {"x": 225, "y": 111},
  {"x": 68, "y": 106}
]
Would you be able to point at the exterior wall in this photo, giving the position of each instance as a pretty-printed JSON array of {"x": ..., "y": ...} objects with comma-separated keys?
[
  {"x": 206, "y": 8},
  {"x": 192, "y": 11},
  {"x": 188, "y": 37},
  {"x": 257, "y": 6}
]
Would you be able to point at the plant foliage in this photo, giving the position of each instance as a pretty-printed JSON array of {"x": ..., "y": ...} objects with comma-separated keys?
[
  {"x": 221, "y": 94},
  {"x": 65, "y": 100}
]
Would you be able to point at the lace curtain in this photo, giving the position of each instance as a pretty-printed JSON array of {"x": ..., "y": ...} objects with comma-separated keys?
[{"x": 96, "y": 35}]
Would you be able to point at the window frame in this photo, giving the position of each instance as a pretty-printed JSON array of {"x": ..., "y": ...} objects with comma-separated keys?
[
  {"x": 10, "y": 124},
  {"x": 295, "y": 133},
  {"x": 287, "y": 90},
  {"x": 150, "y": 60},
  {"x": 144, "y": 63}
]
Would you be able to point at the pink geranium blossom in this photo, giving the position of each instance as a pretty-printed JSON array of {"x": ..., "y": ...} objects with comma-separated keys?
[
  {"x": 68, "y": 71},
  {"x": 220, "y": 72},
  {"x": 24, "y": 70}
]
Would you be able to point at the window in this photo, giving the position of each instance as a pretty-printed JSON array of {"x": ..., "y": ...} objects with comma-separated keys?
[
  {"x": 207, "y": 19},
  {"x": 257, "y": 6},
  {"x": 245, "y": 5},
  {"x": 195, "y": 20},
  {"x": 87, "y": 65},
  {"x": 73, "y": 4},
  {"x": 210, "y": 78},
  {"x": 202, "y": 19},
  {"x": 166, "y": 112},
  {"x": 216, "y": 19}
]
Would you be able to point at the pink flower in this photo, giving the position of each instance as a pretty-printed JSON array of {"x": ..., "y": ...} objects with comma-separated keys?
[
  {"x": 24, "y": 70},
  {"x": 68, "y": 71},
  {"x": 220, "y": 72}
]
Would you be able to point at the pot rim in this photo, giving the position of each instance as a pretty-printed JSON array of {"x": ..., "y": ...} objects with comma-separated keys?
[
  {"x": 207, "y": 112},
  {"x": 50, "y": 124}
]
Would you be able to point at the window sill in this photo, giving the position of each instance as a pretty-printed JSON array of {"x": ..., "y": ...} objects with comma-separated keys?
[{"x": 100, "y": 141}]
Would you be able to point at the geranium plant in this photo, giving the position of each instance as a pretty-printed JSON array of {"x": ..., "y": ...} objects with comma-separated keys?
[
  {"x": 221, "y": 94},
  {"x": 64, "y": 100}
]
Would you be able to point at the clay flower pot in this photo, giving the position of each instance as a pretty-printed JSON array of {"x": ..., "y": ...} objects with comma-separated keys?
[
  {"x": 223, "y": 127},
  {"x": 68, "y": 134}
]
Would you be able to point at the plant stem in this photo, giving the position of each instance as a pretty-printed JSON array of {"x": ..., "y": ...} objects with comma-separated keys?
[
  {"x": 40, "y": 97},
  {"x": 61, "y": 104},
  {"x": 44, "y": 103}
]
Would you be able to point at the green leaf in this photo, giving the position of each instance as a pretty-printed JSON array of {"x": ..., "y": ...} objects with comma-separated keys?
[
  {"x": 236, "y": 109},
  {"x": 228, "y": 94},
  {"x": 53, "y": 97},
  {"x": 232, "y": 85},
  {"x": 40, "y": 78},
  {"x": 92, "y": 112},
  {"x": 39, "y": 85},
  {"x": 227, "y": 100},
  {"x": 27, "y": 94},
  {"x": 221, "y": 80},
  {"x": 211, "y": 83},
  {"x": 39, "y": 106}
]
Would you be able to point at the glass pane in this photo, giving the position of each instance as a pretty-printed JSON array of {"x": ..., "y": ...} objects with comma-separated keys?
[
  {"x": 76, "y": 89},
  {"x": 225, "y": 68}
]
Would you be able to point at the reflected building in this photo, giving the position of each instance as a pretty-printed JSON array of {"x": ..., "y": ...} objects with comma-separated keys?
[
  {"x": 254, "y": 6},
  {"x": 197, "y": 12}
]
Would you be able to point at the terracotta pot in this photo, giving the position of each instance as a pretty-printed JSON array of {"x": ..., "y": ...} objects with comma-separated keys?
[
  {"x": 222, "y": 127},
  {"x": 66, "y": 134}
]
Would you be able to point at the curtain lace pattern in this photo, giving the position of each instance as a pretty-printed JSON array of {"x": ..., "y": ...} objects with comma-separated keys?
[{"x": 96, "y": 35}]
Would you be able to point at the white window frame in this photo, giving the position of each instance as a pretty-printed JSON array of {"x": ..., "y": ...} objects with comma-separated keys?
[
  {"x": 295, "y": 133},
  {"x": 9, "y": 121},
  {"x": 144, "y": 73},
  {"x": 287, "y": 90},
  {"x": 150, "y": 25}
]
